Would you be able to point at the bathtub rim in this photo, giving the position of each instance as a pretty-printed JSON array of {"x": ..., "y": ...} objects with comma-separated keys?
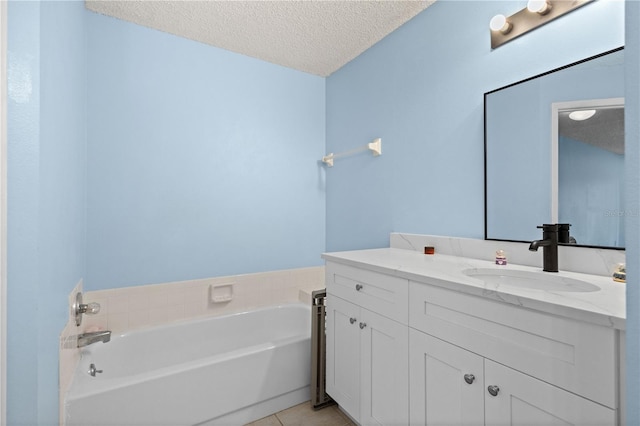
[{"x": 204, "y": 318}]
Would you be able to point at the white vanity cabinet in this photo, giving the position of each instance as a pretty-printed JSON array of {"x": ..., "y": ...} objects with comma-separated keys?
[
  {"x": 405, "y": 352},
  {"x": 367, "y": 351},
  {"x": 475, "y": 361},
  {"x": 452, "y": 386}
]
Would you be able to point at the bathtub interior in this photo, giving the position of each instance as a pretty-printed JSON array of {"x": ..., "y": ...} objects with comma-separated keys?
[
  {"x": 262, "y": 366},
  {"x": 139, "y": 352}
]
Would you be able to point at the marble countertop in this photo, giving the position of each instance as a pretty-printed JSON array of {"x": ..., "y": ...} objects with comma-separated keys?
[{"x": 605, "y": 307}]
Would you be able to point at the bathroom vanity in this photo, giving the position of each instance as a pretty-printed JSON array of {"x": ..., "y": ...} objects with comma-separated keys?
[{"x": 441, "y": 339}]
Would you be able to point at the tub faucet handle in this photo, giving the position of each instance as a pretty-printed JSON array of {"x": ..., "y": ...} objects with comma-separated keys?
[
  {"x": 90, "y": 308},
  {"x": 80, "y": 308}
]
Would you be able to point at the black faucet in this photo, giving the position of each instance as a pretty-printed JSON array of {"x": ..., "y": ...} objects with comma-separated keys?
[{"x": 549, "y": 244}]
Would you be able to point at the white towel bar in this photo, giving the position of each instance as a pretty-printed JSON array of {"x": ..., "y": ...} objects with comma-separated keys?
[{"x": 375, "y": 147}]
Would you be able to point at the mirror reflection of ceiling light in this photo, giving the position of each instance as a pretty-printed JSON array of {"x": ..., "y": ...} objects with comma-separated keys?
[{"x": 583, "y": 114}]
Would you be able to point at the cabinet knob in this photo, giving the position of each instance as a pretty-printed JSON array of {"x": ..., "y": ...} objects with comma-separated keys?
[
  {"x": 469, "y": 378},
  {"x": 363, "y": 325},
  {"x": 358, "y": 287},
  {"x": 352, "y": 320},
  {"x": 493, "y": 390}
]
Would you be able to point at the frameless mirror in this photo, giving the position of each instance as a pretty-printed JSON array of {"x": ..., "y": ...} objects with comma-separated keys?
[{"x": 541, "y": 166}]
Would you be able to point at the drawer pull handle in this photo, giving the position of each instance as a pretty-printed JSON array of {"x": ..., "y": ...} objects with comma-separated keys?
[
  {"x": 363, "y": 325},
  {"x": 469, "y": 378},
  {"x": 352, "y": 320},
  {"x": 358, "y": 287},
  {"x": 493, "y": 390}
]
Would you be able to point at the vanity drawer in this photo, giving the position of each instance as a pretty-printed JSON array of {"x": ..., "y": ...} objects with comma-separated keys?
[
  {"x": 573, "y": 355},
  {"x": 382, "y": 294}
]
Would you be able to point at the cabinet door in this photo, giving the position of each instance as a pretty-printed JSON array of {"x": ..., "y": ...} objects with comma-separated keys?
[
  {"x": 384, "y": 371},
  {"x": 343, "y": 354},
  {"x": 446, "y": 383},
  {"x": 524, "y": 400}
]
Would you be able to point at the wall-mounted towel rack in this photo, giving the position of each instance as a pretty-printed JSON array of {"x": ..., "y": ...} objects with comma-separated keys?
[{"x": 375, "y": 147}]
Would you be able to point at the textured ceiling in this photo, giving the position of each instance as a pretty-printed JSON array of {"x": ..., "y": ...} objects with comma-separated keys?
[
  {"x": 605, "y": 129},
  {"x": 314, "y": 36}
]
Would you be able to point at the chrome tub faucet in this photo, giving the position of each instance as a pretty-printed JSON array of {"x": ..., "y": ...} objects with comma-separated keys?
[{"x": 85, "y": 339}]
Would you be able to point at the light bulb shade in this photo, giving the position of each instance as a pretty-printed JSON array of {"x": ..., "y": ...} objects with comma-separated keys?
[
  {"x": 541, "y": 7},
  {"x": 500, "y": 23},
  {"x": 583, "y": 114}
]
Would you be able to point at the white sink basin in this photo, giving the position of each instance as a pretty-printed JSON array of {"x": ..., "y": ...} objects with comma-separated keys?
[{"x": 530, "y": 279}]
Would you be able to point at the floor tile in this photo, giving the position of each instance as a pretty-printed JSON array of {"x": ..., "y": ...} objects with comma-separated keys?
[
  {"x": 347, "y": 420},
  {"x": 304, "y": 415},
  {"x": 267, "y": 421}
]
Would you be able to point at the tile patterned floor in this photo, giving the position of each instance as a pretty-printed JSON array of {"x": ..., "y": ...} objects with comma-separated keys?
[{"x": 304, "y": 415}]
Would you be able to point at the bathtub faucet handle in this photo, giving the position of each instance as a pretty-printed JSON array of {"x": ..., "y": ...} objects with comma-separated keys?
[
  {"x": 90, "y": 308},
  {"x": 93, "y": 370},
  {"x": 80, "y": 308}
]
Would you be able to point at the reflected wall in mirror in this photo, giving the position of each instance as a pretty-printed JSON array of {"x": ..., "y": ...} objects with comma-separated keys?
[
  {"x": 588, "y": 155},
  {"x": 535, "y": 175}
]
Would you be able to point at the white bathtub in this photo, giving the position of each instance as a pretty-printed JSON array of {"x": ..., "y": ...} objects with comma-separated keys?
[{"x": 227, "y": 370}]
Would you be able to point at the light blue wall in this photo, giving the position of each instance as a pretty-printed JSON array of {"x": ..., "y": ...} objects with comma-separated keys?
[
  {"x": 421, "y": 90},
  {"x": 632, "y": 225},
  {"x": 201, "y": 162},
  {"x": 46, "y": 190},
  {"x": 23, "y": 179}
]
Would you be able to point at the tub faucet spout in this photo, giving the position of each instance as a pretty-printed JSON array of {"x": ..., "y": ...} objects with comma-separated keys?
[{"x": 85, "y": 339}]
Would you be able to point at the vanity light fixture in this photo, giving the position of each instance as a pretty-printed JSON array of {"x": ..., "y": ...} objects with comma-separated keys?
[
  {"x": 582, "y": 114},
  {"x": 536, "y": 14},
  {"x": 500, "y": 23}
]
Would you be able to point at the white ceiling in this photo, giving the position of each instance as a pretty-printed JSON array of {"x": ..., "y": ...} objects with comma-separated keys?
[{"x": 314, "y": 36}]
